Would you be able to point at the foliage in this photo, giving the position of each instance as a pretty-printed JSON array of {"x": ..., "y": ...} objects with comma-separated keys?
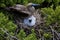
[
  {"x": 47, "y": 35},
  {"x": 22, "y": 35},
  {"x": 31, "y": 36},
  {"x": 4, "y": 3},
  {"x": 52, "y": 16},
  {"x": 7, "y": 26}
]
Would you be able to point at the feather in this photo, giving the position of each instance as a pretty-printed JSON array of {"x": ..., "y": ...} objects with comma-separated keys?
[{"x": 30, "y": 21}]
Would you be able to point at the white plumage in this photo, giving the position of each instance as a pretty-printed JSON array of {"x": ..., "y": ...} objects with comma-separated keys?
[{"x": 30, "y": 21}]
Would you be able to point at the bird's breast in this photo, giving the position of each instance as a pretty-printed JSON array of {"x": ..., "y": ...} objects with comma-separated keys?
[{"x": 30, "y": 21}]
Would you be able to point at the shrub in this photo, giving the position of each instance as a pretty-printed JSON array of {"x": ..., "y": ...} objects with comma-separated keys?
[
  {"x": 52, "y": 16},
  {"x": 7, "y": 27}
]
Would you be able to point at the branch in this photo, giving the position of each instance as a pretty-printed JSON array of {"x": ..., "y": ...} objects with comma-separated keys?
[
  {"x": 54, "y": 32},
  {"x": 10, "y": 36}
]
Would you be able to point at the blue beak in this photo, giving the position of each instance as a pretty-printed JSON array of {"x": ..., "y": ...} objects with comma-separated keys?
[{"x": 35, "y": 4}]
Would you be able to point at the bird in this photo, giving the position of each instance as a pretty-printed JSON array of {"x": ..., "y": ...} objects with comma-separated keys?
[{"x": 26, "y": 16}]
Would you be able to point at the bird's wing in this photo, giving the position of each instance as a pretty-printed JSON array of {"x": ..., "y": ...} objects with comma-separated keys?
[{"x": 19, "y": 8}]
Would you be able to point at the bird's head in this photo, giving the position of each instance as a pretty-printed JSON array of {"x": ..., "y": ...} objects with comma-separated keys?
[{"x": 30, "y": 21}]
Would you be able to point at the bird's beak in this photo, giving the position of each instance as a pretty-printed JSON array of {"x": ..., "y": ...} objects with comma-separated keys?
[{"x": 35, "y": 4}]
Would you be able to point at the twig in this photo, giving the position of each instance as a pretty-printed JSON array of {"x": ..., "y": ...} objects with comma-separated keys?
[
  {"x": 11, "y": 37},
  {"x": 54, "y": 32}
]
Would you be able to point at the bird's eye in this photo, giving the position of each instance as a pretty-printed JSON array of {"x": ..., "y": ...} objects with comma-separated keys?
[{"x": 30, "y": 21}]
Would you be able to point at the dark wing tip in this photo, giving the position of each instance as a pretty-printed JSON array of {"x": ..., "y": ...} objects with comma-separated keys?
[{"x": 18, "y": 10}]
